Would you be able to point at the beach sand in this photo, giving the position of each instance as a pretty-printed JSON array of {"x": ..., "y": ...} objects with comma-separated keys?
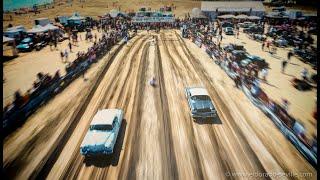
[
  {"x": 159, "y": 139},
  {"x": 246, "y": 140},
  {"x": 20, "y": 73}
]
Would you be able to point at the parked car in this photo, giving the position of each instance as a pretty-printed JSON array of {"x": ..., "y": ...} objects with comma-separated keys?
[
  {"x": 307, "y": 56},
  {"x": 230, "y": 47},
  {"x": 238, "y": 55},
  {"x": 253, "y": 29},
  {"x": 200, "y": 103},
  {"x": 229, "y": 31},
  {"x": 281, "y": 42},
  {"x": 293, "y": 40},
  {"x": 226, "y": 24},
  {"x": 245, "y": 24},
  {"x": 258, "y": 37},
  {"x": 40, "y": 45},
  {"x": 254, "y": 59},
  {"x": 103, "y": 132},
  {"x": 25, "y": 45}
]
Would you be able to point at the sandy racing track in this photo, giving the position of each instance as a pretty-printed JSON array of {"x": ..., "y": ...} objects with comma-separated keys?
[{"x": 158, "y": 139}]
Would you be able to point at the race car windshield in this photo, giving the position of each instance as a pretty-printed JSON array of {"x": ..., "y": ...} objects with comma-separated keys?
[
  {"x": 202, "y": 97},
  {"x": 101, "y": 127}
]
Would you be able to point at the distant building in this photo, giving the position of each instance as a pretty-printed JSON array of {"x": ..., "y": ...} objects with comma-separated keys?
[{"x": 212, "y": 9}]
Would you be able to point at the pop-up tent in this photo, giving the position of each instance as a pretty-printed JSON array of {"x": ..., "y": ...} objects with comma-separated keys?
[
  {"x": 51, "y": 27},
  {"x": 17, "y": 28},
  {"x": 14, "y": 32},
  {"x": 241, "y": 16},
  {"x": 76, "y": 16},
  {"x": 37, "y": 29},
  {"x": 254, "y": 18},
  {"x": 197, "y": 14},
  {"x": 226, "y": 16},
  {"x": 75, "y": 19},
  {"x": 7, "y": 39},
  {"x": 114, "y": 13}
]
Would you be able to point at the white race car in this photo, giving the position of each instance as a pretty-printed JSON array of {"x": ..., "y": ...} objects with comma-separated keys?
[
  {"x": 103, "y": 132},
  {"x": 200, "y": 103}
]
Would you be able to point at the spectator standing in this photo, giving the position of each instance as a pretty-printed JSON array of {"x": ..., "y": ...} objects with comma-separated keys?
[
  {"x": 284, "y": 64},
  {"x": 61, "y": 56},
  {"x": 290, "y": 54},
  {"x": 55, "y": 43},
  {"x": 268, "y": 45},
  {"x": 70, "y": 46},
  {"x": 50, "y": 43},
  {"x": 237, "y": 80},
  {"x": 273, "y": 49},
  {"x": 304, "y": 74},
  {"x": 285, "y": 104},
  {"x": 264, "y": 73},
  {"x": 66, "y": 54}
]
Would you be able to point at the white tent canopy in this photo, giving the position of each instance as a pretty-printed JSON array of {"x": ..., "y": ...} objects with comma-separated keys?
[
  {"x": 227, "y": 16},
  {"x": 114, "y": 13},
  {"x": 37, "y": 29},
  {"x": 51, "y": 27},
  {"x": 76, "y": 16},
  {"x": 7, "y": 39},
  {"x": 197, "y": 13},
  {"x": 254, "y": 17},
  {"x": 16, "y": 29},
  {"x": 242, "y": 16}
]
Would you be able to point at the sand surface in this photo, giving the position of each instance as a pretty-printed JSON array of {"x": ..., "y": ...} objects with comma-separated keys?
[
  {"x": 158, "y": 139},
  {"x": 21, "y": 72}
]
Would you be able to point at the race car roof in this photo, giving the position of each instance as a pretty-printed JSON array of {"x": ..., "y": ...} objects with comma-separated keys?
[
  {"x": 198, "y": 91},
  {"x": 105, "y": 117}
]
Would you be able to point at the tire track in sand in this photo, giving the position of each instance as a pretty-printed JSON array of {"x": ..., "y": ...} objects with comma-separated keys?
[
  {"x": 220, "y": 105},
  {"x": 214, "y": 163},
  {"x": 164, "y": 116},
  {"x": 123, "y": 91},
  {"x": 187, "y": 155},
  {"x": 73, "y": 169},
  {"x": 127, "y": 167}
]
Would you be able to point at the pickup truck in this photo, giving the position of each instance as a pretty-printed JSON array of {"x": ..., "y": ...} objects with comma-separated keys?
[
  {"x": 103, "y": 132},
  {"x": 200, "y": 103}
]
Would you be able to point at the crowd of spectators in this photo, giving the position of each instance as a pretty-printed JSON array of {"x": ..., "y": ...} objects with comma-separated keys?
[{"x": 207, "y": 34}]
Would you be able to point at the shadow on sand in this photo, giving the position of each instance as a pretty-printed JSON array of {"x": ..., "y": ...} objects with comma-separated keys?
[
  {"x": 112, "y": 159},
  {"x": 214, "y": 120}
]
